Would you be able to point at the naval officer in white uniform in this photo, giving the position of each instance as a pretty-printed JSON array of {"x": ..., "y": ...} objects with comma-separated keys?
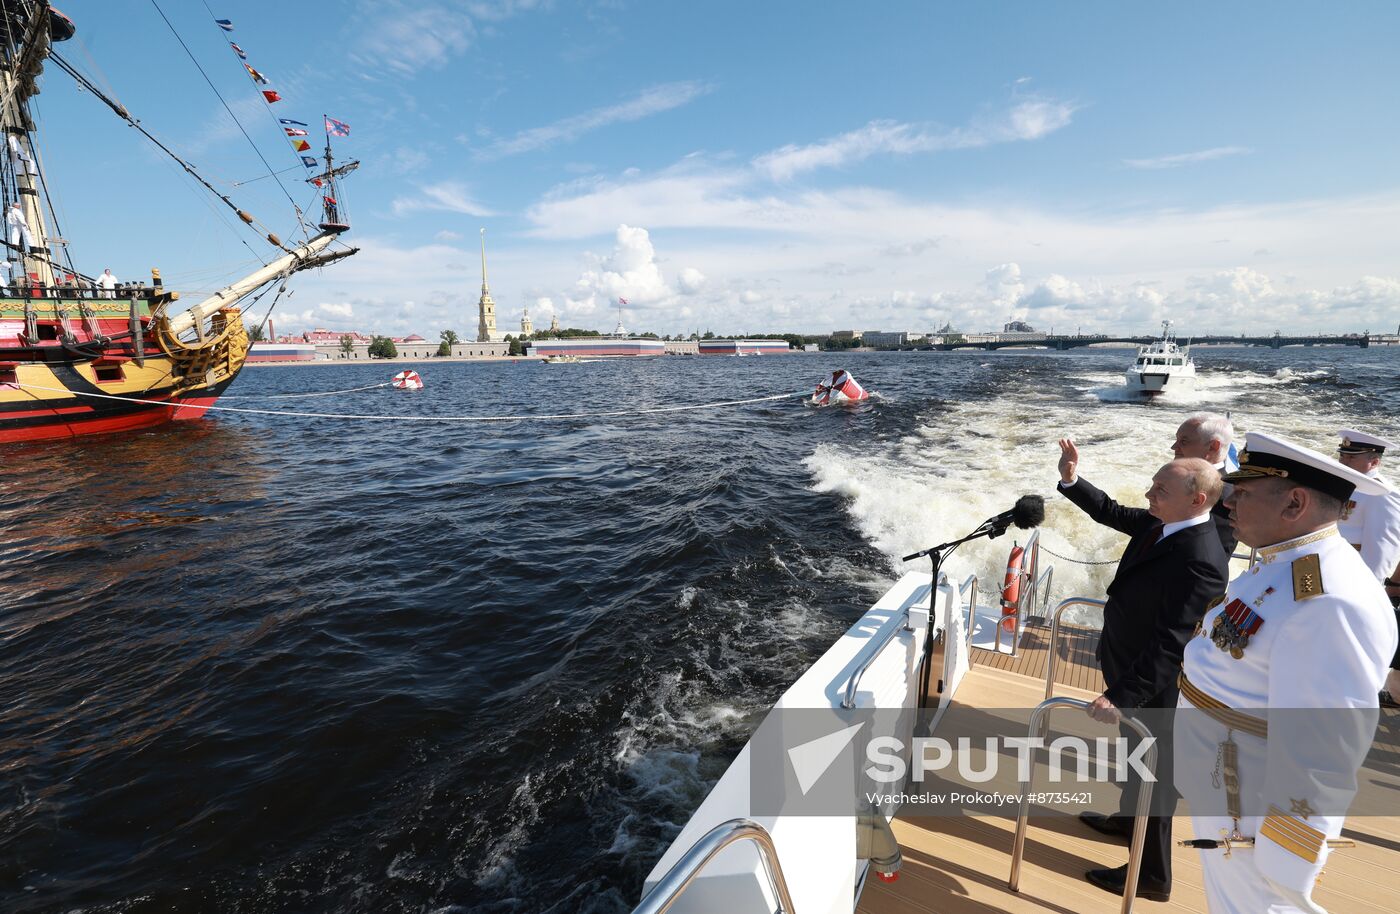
[
  {"x": 1306, "y": 627},
  {"x": 1371, "y": 523}
]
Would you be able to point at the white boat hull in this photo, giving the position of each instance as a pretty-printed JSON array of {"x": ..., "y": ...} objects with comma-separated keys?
[
  {"x": 818, "y": 853},
  {"x": 1153, "y": 383}
]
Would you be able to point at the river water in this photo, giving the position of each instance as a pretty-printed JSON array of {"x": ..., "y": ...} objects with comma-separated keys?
[{"x": 269, "y": 664}]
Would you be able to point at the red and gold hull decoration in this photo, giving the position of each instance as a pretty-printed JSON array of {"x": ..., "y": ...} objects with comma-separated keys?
[{"x": 50, "y": 391}]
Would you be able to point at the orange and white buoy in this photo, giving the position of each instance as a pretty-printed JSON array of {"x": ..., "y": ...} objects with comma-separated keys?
[
  {"x": 1011, "y": 589},
  {"x": 408, "y": 380}
]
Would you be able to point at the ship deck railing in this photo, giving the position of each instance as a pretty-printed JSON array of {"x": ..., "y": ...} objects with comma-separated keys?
[
  {"x": 679, "y": 878},
  {"x": 959, "y": 864},
  {"x": 24, "y": 294}
]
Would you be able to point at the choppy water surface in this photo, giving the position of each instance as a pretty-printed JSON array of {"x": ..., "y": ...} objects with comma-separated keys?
[{"x": 258, "y": 664}]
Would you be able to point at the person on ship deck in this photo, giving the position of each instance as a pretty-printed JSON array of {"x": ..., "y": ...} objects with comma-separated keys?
[
  {"x": 1207, "y": 436},
  {"x": 1173, "y": 567}
]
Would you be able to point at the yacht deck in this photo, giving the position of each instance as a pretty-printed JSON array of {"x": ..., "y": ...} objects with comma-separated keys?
[{"x": 960, "y": 865}]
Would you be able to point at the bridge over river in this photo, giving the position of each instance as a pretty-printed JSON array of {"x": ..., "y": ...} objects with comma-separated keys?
[{"x": 1277, "y": 341}]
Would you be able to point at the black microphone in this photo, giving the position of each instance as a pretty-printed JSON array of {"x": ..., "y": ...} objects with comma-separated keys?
[{"x": 1028, "y": 512}]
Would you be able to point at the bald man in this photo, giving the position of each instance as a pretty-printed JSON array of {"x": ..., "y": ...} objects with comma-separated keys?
[
  {"x": 1208, "y": 436},
  {"x": 1173, "y": 568}
]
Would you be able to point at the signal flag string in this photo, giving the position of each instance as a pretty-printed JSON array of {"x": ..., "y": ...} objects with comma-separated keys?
[{"x": 357, "y": 417}]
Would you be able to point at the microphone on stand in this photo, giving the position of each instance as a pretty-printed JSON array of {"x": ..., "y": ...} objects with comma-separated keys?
[{"x": 1028, "y": 512}]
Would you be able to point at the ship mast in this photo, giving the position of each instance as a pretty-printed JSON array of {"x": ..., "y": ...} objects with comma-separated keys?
[
  {"x": 24, "y": 46},
  {"x": 331, "y": 218}
]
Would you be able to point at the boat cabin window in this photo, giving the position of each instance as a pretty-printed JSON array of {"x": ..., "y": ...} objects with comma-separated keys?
[
  {"x": 48, "y": 332},
  {"x": 9, "y": 374},
  {"x": 107, "y": 373}
]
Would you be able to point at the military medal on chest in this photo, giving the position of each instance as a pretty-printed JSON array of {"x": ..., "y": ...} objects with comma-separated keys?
[{"x": 1236, "y": 624}]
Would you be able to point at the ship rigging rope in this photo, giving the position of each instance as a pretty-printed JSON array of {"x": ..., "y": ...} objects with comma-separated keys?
[
  {"x": 125, "y": 115},
  {"x": 200, "y": 68},
  {"x": 613, "y": 414}
]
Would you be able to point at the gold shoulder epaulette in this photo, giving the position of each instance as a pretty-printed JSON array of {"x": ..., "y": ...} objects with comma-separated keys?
[
  {"x": 1307, "y": 577},
  {"x": 1214, "y": 603}
]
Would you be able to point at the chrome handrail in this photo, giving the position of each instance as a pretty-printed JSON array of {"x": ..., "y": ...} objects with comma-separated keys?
[
  {"x": 1055, "y": 637},
  {"x": 1144, "y": 801},
  {"x": 898, "y": 623},
  {"x": 1048, "y": 578},
  {"x": 679, "y": 877},
  {"x": 969, "y": 582}
]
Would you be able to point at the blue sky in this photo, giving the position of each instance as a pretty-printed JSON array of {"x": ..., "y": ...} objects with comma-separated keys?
[{"x": 744, "y": 167}]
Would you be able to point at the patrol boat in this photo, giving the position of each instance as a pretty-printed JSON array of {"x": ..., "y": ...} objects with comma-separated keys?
[
  {"x": 1162, "y": 367},
  {"x": 932, "y": 643},
  {"x": 78, "y": 355}
]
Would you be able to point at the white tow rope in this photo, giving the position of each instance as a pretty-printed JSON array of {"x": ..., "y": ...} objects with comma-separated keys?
[
  {"x": 320, "y": 393},
  {"x": 299, "y": 415}
]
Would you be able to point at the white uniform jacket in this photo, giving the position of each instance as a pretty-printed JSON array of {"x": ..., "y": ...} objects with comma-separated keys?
[
  {"x": 1323, "y": 634},
  {"x": 1371, "y": 523}
]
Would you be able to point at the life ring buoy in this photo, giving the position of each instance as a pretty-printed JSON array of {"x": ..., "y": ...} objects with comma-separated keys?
[{"x": 1011, "y": 588}]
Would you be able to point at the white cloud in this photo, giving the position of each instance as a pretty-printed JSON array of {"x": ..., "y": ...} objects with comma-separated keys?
[
  {"x": 630, "y": 272},
  {"x": 407, "y": 37},
  {"x": 1003, "y": 283},
  {"x": 1027, "y": 120},
  {"x": 1188, "y": 158},
  {"x": 447, "y": 196},
  {"x": 448, "y": 235},
  {"x": 651, "y": 101},
  {"x": 690, "y": 281}
]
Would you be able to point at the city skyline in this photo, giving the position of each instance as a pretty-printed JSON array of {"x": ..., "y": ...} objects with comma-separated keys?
[{"x": 909, "y": 165}]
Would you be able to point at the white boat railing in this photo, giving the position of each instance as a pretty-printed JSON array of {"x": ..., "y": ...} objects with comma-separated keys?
[
  {"x": 1144, "y": 800},
  {"x": 898, "y": 623},
  {"x": 1055, "y": 637},
  {"x": 679, "y": 877}
]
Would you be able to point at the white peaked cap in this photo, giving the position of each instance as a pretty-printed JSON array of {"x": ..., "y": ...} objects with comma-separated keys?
[
  {"x": 1268, "y": 455},
  {"x": 1353, "y": 440}
]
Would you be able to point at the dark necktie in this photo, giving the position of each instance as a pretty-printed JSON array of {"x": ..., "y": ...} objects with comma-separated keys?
[{"x": 1149, "y": 539}]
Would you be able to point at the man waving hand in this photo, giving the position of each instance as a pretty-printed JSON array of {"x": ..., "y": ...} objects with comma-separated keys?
[{"x": 1173, "y": 567}]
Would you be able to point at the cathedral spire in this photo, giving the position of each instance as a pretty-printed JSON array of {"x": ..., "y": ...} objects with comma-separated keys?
[
  {"x": 484, "y": 289},
  {"x": 486, "y": 307}
]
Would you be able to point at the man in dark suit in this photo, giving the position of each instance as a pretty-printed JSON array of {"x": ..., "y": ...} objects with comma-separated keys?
[
  {"x": 1208, "y": 436},
  {"x": 1173, "y": 567}
]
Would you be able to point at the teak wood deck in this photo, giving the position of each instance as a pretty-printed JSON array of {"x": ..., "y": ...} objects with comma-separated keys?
[
  {"x": 960, "y": 865},
  {"x": 1076, "y": 667}
]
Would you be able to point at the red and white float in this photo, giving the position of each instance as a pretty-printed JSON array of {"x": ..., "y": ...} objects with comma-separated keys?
[
  {"x": 408, "y": 380},
  {"x": 842, "y": 389}
]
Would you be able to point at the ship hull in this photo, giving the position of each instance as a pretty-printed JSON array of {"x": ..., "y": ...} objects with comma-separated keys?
[
  {"x": 110, "y": 384},
  {"x": 71, "y": 417}
]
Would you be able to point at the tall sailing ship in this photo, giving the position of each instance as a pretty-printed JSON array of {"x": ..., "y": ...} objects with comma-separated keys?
[{"x": 78, "y": 354}]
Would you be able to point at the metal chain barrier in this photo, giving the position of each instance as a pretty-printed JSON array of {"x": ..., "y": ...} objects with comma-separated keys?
[{"x": 1065, "y": 558}]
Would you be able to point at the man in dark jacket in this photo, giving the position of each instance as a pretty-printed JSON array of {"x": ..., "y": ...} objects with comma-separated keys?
[{"x": 1173, "y": 567}]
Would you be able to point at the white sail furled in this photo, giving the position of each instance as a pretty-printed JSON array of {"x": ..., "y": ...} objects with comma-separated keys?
[{"x": 296, "y": 258}]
